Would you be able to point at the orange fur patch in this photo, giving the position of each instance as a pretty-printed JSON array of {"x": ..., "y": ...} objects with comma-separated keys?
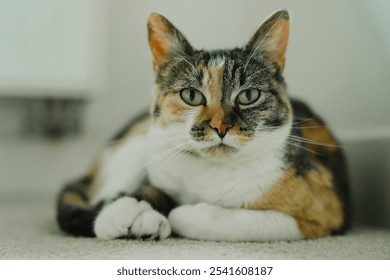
[
  {"x": 159, "y": 41},
  {"x": 73, "y": 199},
  {"x": 217, "y": 117},
  {"x": 159, "y": 51},
  {"x": 217, "y": 121},
  {"x": 214, "y": 84},
  {"x": 94, "y": 170},
  {"x": 279, "y": 54},
  {"x": 310, "y": 200},
  {"x": 94, "y": 185},
  {"x": 174, "y": 110},
  {"x": 323, "y": 140},
  {"x": 274, "y": 44},
  {"x": 151, "y": 194},
  {"x": 213, "y": 90}
]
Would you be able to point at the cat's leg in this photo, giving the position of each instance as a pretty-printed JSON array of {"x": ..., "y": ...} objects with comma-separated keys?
[
  {"x": 209, "y": 222},
  {"x": 140, "y": 216},
  {"x": 122, "y": 176},
  {"x": 122, "y": 169}
]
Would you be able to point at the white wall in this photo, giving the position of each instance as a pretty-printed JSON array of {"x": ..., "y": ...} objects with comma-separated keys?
[{"x": 51, "y": 48}]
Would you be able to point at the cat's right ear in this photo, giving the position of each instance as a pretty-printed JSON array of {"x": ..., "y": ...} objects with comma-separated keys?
[{"x": 165, "y": 40}]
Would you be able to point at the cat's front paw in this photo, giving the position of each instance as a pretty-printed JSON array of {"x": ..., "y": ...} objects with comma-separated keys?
[
  {"x": 193, "y": 221},
  {"x": 127, "y": 217},
  {"x": 150, "y": 225}
]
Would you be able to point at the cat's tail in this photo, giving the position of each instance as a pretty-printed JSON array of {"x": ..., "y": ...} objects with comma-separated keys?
[{"x": 74, "y": 214}]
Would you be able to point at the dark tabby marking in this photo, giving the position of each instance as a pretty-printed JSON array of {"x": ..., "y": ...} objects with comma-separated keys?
[
  {"x": 74, "y": 214},
  {"x": 156, "y": 198}
]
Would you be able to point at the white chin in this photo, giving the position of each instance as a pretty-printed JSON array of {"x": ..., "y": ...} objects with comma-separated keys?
[{"x": 218, "y": 152}]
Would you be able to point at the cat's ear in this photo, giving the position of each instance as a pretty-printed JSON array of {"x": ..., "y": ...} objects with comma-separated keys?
[
  {"x": 165, "y": 40},
  {"x": 271, "y": 38}
]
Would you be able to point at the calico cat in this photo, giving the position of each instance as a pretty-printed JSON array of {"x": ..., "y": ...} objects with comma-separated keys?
[{"x": 224, "y": 153}]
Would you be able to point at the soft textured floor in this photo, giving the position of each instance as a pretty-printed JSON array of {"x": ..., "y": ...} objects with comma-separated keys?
[{"x": 28, "y": 231}]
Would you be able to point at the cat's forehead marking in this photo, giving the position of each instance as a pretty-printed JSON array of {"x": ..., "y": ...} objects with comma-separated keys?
[
  {"x": 217, "y": 61},
  {"x": 212, "y": 83}
]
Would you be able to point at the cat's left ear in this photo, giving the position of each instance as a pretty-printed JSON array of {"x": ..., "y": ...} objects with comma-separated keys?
[
  {"x": 271, "y": 38},
  {"x": 165, "y": 40}
]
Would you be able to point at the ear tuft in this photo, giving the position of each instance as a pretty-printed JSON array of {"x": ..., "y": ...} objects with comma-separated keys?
[
  {"x": 271, "y": 38},
  {"x": 164, "y": 39}
]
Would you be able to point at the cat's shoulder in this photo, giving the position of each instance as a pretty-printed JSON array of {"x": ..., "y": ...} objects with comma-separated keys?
[{"x": 135, "y": 126}]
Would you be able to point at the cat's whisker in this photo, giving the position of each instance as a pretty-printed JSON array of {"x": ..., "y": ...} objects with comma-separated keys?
[
  {"x": 156, "y": 141},
  {"x": 126, "y": 139},
  {"x": 158, "y": 159},
  {"x": 302, "y": 120},
  {"x": 310, "y": 127},
  {"x": 278, "y": 135},
  {"x": 294, "y": 126},
  {"x": 172, "y": 134},
  {"x": 176, "y": 153},
  {"x": 150, "y": 140},
  {"x": 302, "y": 147},
  {"x": 298, "y": 139},
  {"x": 261, "y": 70},
  {"x": 181, "y": 57},
  {"x": 168, "y": 139},
  {"x": 289, "y": 142},
  {"x": 308, "y": 141},
  {"x": 296, "y": 142}
]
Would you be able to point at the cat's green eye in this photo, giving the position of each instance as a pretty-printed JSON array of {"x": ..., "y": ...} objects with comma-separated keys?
[
  {"x": 248, "y": 96},
  {"x": 192, "y": 97}
]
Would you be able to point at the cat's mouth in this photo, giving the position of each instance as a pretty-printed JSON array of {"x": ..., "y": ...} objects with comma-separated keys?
[
  {"x": 220, "y": 148},
  {"x": 216, "y": 152}
]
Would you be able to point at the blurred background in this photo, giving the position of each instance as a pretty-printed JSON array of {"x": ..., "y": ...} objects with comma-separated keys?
[{"x": 72, "y": 72}]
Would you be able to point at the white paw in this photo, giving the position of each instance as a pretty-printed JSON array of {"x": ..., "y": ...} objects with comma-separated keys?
[
  {"x": 117, "y": 219},
  {"x": 193, "y": 221},
  {"x": 150, "y": 225}
]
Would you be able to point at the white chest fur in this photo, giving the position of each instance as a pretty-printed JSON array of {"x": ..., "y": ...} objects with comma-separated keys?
[{"x": 233, "y": 183}]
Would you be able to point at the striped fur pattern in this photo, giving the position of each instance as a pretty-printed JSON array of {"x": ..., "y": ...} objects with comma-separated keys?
[{"x": 224, "y": 154}]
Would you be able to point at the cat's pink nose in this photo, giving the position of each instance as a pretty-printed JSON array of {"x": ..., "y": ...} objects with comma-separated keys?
[{"x": 221, "y": 130}]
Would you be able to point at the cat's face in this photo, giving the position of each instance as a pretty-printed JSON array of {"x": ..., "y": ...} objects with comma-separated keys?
[{"x": 220, "y": 102}]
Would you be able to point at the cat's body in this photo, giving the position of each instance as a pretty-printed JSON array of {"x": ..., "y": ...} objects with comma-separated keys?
[{"x": 225, "y": 154}]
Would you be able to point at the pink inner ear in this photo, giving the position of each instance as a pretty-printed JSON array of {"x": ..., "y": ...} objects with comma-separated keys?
[
  {"x": 271, "y": 38},
  {"x": 278, "y": 54},
  {"x": 159, "y": 50}
]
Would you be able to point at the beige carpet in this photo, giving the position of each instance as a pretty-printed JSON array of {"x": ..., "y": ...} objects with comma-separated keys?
[{"x": 28, "y": 231}]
